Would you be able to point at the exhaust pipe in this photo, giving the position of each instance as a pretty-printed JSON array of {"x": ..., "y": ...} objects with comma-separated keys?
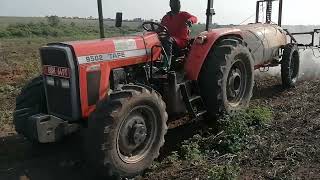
[
  {"x": 280, "y": 13},
  {"x": 101, "y": 26},
  {"x": 210, "y": 12}
]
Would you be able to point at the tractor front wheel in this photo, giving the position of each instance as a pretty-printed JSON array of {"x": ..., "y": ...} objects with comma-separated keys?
[
  {"x": 226, "y": 80},
  {"x": 30, "y": 101},
  {"x": 126, "y": 131}
]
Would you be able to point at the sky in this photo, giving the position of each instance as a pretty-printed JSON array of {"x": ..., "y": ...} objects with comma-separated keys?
[{"x": 228, "y": 11}]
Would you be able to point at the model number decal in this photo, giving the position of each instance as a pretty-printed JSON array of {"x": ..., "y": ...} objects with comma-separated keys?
[
  {"x": 100, "y": 57},
  {"x": 94, "y": 58},
  {"x": 113, "y": 56}
]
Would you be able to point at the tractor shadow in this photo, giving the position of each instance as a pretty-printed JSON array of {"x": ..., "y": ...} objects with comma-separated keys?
[
  {"x": 267, "y": 92},
  {"x": 175, "y": 137},
  {"x": 21, "y": 160},
  {"x": 267, "y": 88}
]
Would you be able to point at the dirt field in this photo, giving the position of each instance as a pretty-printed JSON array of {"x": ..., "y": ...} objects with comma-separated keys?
[{"x": 288, "y": 148}]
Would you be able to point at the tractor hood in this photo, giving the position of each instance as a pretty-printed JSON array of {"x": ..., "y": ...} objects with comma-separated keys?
[
  {"x": 107, "y": 49},
  {"x": 93, "y": 62}
]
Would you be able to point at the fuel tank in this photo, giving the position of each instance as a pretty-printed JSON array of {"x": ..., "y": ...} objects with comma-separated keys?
[{"x": 264, "y": 41}]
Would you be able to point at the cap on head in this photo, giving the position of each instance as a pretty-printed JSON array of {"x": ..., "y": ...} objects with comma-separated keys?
[{"x": 175, "y": 5}]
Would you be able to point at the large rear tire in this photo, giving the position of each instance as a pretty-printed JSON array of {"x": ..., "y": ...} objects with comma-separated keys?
[
  {"x": 227, "y": 77},
  {"x": 290, "y": 66},
  {"x": 30, "y": 101},
  {"x": 126, "y": 131}
]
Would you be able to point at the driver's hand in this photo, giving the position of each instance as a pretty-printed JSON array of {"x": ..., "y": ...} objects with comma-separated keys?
[
  {"x": 189, "y": 23},
  {"x": 163, "y": 34}
]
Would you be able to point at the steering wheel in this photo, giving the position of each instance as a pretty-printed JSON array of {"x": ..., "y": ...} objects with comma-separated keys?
[{"x": 155, "y": 27}]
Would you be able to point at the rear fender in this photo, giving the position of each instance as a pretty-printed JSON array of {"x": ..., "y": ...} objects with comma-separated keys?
[{"x": 199, "y": 52}]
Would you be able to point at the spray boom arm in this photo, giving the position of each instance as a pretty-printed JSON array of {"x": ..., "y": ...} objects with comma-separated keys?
[{"x": 268, "y": 12}]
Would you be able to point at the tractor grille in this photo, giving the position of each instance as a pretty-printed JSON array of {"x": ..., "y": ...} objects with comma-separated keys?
[
  {"x": 54, "y": 57},
  {"x": 61, "y": 91},
  {"x": 59, "y": 100}
]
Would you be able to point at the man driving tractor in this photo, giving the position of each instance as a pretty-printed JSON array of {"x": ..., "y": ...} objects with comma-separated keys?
[
  {"x": 115, "y": 91},
  {"x": 177, "y": 23}
]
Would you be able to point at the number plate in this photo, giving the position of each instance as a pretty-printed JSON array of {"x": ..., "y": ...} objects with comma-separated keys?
[{"x": 56, "y": 71}]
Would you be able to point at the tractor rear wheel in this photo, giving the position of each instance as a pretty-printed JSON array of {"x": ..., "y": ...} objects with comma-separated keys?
[
  {"x": 227, "y": 77},
  {"x": 126, "y": 131},
  {"x": 30, "y": 101},
  {"x": 290, "y": 65}
]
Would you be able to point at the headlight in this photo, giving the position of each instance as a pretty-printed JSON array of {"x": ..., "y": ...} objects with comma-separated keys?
[
  {"x": 65, "y": 83},
  {"x": 59, "y": 82},
  {"x": 50, "y": 81}
]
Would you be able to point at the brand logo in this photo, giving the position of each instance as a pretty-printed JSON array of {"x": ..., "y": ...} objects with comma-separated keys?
[{"x": 56, "y": 71}]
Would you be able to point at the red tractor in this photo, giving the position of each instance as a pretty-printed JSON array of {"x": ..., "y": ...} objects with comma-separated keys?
[{"x": 117, "y": 89}]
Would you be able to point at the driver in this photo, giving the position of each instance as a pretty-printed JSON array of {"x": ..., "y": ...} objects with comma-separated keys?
[{"x": 177, "y": 23}]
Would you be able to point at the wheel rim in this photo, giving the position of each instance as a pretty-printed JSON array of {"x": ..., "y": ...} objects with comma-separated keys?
[
  {"x": 136, "y": 135},
  {"x": 237, "y": 82}
]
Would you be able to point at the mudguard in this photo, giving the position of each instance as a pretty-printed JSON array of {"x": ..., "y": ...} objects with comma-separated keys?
[{"x": 199, "y": 52}]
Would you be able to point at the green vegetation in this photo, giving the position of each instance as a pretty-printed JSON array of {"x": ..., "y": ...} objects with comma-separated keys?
[
  {"x": 6, "y": 21},
  {"x": 217, "y": 155},
  {"x": 54, "y": 26},
  {"x": 57, "y": 27},
  {"x": 35, "y": 30},
  {"x": 42, "y": 30},
  {"x": 53, "y": 20}
]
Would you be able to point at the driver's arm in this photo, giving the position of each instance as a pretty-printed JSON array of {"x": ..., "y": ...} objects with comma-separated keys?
[
  {"x": 190, "y": 18},
  {"x": 164, "y": 20}
]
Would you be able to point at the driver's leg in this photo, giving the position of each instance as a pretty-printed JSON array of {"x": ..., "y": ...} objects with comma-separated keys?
[{"x": 167, "y": 44}]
